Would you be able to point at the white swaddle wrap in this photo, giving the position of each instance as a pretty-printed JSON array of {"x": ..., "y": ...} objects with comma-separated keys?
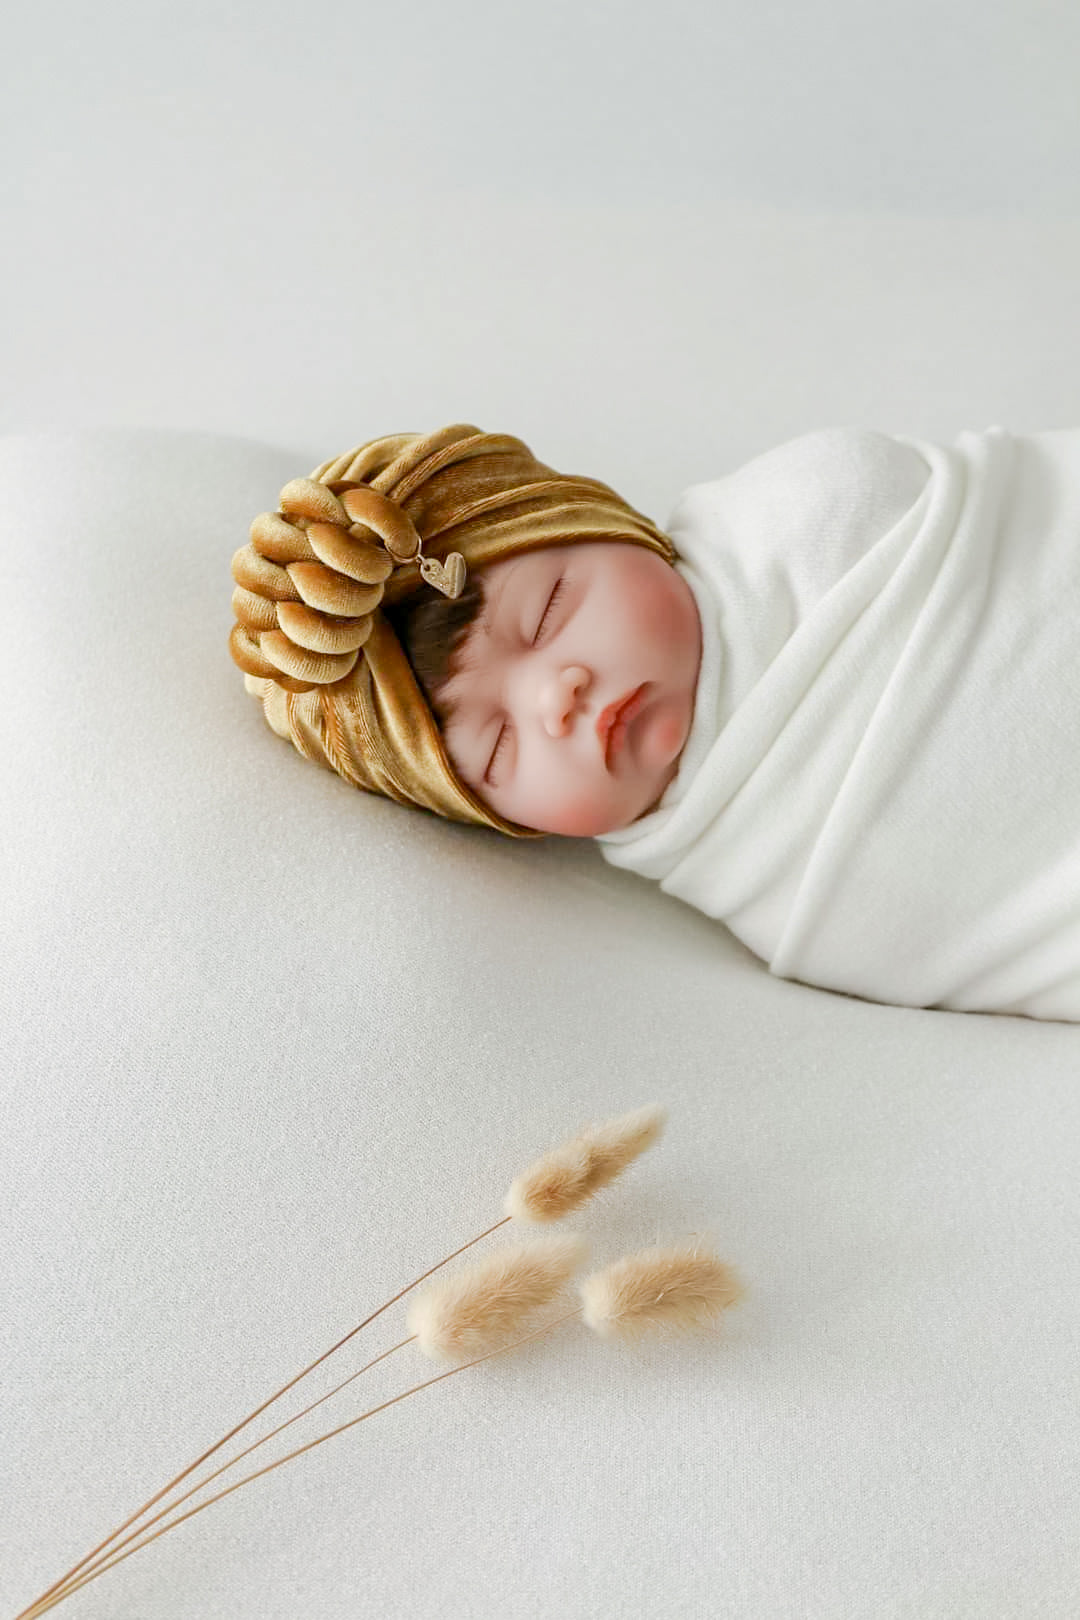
[{"x": 880, "y": 791}]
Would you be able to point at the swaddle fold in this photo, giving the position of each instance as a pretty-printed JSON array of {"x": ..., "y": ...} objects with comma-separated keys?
[{"x": 880, "y": 791}]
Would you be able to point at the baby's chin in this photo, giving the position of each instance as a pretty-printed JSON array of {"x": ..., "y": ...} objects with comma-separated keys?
[
  {"x": 590, "y": 814},
  {"x": 590, "y": 818}
]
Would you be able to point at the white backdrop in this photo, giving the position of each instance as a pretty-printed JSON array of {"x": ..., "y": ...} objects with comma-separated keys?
[{"x": 651, "y": 241}]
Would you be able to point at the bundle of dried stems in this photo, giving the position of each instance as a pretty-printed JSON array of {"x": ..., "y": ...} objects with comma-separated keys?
[{"x": 679, "y": 1289}]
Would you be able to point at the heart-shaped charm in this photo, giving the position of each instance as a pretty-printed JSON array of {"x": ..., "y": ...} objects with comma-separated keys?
[{"x": 447, "y": 576}]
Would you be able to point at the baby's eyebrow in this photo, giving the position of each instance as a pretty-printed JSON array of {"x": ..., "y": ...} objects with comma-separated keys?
[
  {"x": 482, "y": 625},
  {"x": 493, "y": 598}
]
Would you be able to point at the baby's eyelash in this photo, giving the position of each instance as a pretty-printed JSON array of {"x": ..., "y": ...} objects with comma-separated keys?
[
  {"x": 553, "y": 598},
  {"x": 495, "y": 755}
]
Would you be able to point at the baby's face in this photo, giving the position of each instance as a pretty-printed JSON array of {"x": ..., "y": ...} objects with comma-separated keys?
[{"x": 566, "y": 635}]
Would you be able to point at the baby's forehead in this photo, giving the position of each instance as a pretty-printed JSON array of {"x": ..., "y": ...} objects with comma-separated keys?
[
  {"x": 501, "y": 578},
  {"x": 509, "y": 579},
  {"x": 508, "y": 574},
  {"x": 540, "y": 559}
]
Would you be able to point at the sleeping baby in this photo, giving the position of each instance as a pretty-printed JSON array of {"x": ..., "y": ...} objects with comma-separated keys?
[{"x": 835, "y": 704}]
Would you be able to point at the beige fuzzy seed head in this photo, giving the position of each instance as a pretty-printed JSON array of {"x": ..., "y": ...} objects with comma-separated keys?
[
  {"x": 572, "y": 1173},
  {"x": 484, "y": 1306},
  {"x": 679, "y": 1289}
]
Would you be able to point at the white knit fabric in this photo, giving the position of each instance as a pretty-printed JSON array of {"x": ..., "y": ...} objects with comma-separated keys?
[{"x": 880, "y": 792}]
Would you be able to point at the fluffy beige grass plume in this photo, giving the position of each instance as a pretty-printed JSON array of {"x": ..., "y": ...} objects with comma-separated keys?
[
  {"x": 448, "y": 1324},
  {"x": 481, "y": 1307},
  {"x": 677, "y": 1289},
  {"x": 573, "y": 1172}
]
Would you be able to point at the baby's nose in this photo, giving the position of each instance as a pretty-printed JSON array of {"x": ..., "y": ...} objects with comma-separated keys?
[{"x": 561, "y": 698}]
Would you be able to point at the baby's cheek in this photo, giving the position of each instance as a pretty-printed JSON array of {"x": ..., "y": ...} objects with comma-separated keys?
[
  {"x": 583, "y": 814},
  {"x": 668, "y": 734}
]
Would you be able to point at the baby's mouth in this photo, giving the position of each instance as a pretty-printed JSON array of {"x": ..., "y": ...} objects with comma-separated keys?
[{"x": 613, "y": 722}]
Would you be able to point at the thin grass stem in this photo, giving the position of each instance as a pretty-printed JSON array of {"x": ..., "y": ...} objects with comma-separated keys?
[
  {"x": 37, "y": 1608},
  {"x": 248, "y": 1478},
  {"x": 101, "y": 1562}
]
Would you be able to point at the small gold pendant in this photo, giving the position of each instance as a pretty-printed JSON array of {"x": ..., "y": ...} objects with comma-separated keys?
[{"x": 447, "y": 576}]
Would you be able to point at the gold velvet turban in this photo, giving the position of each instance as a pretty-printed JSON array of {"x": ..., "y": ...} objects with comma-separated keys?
[{"x": 395, "y": 516}]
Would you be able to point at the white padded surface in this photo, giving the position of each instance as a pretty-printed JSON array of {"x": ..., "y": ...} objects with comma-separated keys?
[{"x": 272, "y": 1048}]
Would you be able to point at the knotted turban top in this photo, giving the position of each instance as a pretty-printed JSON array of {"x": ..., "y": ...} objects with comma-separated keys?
[{"x": 398, "y": 515}]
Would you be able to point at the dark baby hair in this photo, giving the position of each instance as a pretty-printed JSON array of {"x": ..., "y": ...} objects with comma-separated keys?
[{"x": 431, "y": 628}]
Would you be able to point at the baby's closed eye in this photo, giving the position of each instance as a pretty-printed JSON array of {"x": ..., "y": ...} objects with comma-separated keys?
[{"x": 552, "y": 599}]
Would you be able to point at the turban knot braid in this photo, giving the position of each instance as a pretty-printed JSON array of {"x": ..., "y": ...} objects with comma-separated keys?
[
  {"x": 364, "y": 533},
  {"x": 309, "y": 579}
]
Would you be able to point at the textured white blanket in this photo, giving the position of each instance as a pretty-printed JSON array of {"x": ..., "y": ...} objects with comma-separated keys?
[{"x": 880, "y": 792}]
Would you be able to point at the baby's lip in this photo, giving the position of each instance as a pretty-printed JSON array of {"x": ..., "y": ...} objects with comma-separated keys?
[{"x": 607, "y": 719}]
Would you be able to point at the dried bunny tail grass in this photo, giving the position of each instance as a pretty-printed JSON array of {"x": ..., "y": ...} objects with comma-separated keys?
[
  {"x": 550, "y": 1189},
  {"x": 677, "y": 1288},
  {"x": 573, "y": 1172},
  {"x": 476, "y": 1310}
]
